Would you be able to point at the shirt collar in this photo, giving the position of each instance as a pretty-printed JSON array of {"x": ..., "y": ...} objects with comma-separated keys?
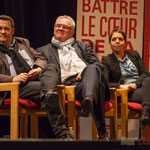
[
  {"x": 125, "y": 58},
  {"x": 11, "y": 45}
]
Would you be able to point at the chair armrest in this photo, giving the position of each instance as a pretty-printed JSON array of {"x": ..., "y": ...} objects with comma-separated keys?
[
  {"x": 123, "y": 93},
  {"x": 113, "y": 96},
  {"x": 70, "y": 91},
  {"x": 9, "y": 86},
  {"x": 124, "y": 100}
]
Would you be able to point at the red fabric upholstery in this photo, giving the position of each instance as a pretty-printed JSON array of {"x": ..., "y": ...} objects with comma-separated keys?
[
  {"x": 132, "y": 106},
  {"x": 25, "y": 103},
  {"x": 108, "y": 105},
  {"x": 28, "y": 104},
  {"x": 148, "y": 132}
]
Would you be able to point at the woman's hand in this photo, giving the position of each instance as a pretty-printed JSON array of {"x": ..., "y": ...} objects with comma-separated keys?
[{"x": 129, "y": 87}]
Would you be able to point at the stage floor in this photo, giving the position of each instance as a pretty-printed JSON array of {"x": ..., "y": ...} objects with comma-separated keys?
[{"x": 51, "y": 144}]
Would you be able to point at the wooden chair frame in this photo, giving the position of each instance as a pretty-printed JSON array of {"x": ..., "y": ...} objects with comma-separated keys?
[
  {"x": 127, "y": 114},
  {"x": 71, "y": 113},
  {"x": 74, "y": 117},
  {"x": 13, "y": 111},
  {"x": 17, "y": 111}
]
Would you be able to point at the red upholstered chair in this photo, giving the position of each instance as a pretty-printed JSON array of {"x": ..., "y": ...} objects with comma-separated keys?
[
  {"x": 73, "y": 113},
  {"x": 25, "y": 108},
  {"x": 14, "y": 118},
  {"x": 72, "y": 108},
  {"x": 22, "y": 108},
  {"x": 127, "y": 110}
]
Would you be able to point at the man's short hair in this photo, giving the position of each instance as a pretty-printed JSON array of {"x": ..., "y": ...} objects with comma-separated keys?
[
  {"x": 5, "y": 17},
  {"x": 69, "y": 18}
]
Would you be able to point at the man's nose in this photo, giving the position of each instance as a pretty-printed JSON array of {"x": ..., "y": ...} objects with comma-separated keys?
[
  {"x": 117, "y": 40},
  {"x": 2, "y": 30}
]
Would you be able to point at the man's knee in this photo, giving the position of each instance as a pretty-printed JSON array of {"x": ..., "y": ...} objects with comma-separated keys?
[
  {"x": 50, "y": 67},
  {"x": 36, "y": 85}
]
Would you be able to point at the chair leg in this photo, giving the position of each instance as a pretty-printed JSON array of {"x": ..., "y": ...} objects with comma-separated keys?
[
  {"x": 144, "y": 134},
  {"x": 34, "y": 126},
  {"x": 77, "y": 127},
  {"x": 24, "y": 126},
  {"x": 124, "y": 114},
  {"x": 94, "y": 130},
  {"x": 71, "y": 116},
  {"x": 113, "y": 129}
]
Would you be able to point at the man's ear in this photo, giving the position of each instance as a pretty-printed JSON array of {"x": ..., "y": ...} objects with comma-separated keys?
[
  {"x": 13, "y": 30},
  {"x": 73, "y": 32}
]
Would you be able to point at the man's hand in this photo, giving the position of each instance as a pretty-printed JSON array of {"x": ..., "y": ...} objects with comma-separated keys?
[
  {"x": 34, "y": 73},
  {"x": 22, "y": 77}
]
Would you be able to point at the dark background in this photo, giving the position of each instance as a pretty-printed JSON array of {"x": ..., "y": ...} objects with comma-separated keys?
[{"x": 34, "y": 19}]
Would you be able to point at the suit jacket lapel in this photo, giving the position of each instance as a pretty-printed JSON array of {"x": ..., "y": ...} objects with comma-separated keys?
[
  {"x": 54, "y": 51},
  {"x": 77, "y": 50}
]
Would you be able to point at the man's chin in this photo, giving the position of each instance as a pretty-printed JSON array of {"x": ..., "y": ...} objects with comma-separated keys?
[{"x": 3, "y": 41}]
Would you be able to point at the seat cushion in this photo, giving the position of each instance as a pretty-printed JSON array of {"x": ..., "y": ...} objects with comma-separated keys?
[
  {"x": 25, "y": 103},
  {"x": 77, "y": 104},
  {"x": 108, "y": 105},
  {"x": 132, "y": 106},
  {"x": 28, "y": 104}
]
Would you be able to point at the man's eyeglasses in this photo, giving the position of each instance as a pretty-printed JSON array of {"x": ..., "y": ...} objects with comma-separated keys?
[{"x": 63, "y": 26}]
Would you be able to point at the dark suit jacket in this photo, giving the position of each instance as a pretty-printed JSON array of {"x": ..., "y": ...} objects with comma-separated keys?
[
  {"x": 24, "y": 44},
  {"x": 112, "y": 70},
  {"x": 83, "y": 50}
]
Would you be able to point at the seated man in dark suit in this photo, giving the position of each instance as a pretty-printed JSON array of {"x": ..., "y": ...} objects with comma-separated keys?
[
  {"x": 78, "y": 65},
  {"x": 21, "y": 63}
]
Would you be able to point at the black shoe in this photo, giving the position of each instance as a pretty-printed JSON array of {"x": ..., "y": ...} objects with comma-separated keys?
[
  {"x": 67, "y": 136},
  {"x": 50, "y": 100},
  {"x": 103, "y": 137},
  {"x": 86, "y": 106},
  {"x": 145, "y": 120}
]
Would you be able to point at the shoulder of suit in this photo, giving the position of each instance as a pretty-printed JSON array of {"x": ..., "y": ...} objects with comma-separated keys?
[
  {"x": 81, "y": 43},
  {"x": 19, "y": 39},
  {"x": 22, "y": 40},
  {"x": 109, "y": 56},
  {"x": 45, "y": 46},
  {"x": 133, "y": 53}
]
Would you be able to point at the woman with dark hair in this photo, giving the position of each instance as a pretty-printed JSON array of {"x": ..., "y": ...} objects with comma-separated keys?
[{"x": 126, "y": 70}]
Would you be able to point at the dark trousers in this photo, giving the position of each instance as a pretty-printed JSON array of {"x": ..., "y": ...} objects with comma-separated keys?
[
  {"x": 93, "y": 84},
  {"x": 142, "y": 94},
  {"x": 36, "y": 91}
]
